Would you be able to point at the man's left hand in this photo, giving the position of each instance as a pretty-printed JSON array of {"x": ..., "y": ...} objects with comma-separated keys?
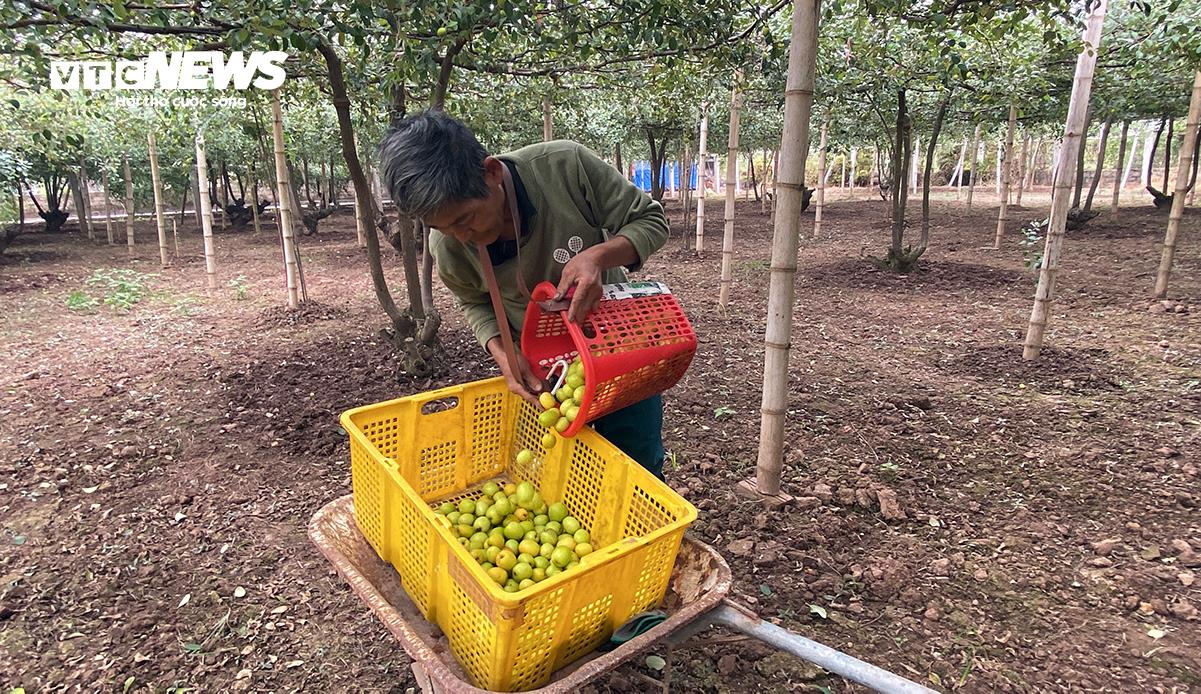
[{"x": 584, "y": 273}]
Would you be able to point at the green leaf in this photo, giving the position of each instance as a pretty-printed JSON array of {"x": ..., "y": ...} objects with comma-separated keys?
[
  {"x": 128, "y": 683},
  {"x": 655, "y": 663},
  {"x": 819, "y": 611}
]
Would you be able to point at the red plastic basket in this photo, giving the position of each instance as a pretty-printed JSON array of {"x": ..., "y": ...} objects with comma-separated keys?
[{"x": 632, "y": 348}]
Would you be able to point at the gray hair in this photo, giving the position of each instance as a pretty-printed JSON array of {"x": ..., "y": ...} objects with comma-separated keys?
[{"x": 430, "y": 159}]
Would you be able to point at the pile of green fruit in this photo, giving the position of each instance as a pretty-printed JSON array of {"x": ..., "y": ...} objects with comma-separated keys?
[
  {"x": 562, "y": 407},
  {"x": 517, "y": 537}
]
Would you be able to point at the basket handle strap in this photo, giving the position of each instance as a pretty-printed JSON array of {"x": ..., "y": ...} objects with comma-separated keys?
[
  {"x": 498, "y": 307},
  {"x": 515, "y": 214}
]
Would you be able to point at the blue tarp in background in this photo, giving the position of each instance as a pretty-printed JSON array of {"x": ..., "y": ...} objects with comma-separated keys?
[{"x": 671, "y": 175}]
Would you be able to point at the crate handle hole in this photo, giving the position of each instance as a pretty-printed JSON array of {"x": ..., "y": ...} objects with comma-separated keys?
[{"x": 440, "y": 405}]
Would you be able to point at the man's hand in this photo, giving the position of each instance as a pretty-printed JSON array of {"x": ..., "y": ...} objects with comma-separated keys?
[
  {"x": 525, "y": 384},
  {"x": 584, "y": 273}
]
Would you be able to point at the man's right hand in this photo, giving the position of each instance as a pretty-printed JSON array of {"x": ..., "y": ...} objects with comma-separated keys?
[{"x": 525, "y": 384}]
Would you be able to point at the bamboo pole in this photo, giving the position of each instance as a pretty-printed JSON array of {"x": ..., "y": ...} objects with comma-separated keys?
[
  {"x": 284, "y": 184},
  {"x": 1061, "y": 192},
  {"x": 1183, "y": 172},
  {"x": 975, "y": 149},
  {"x": 129, "y": 210},
  {"x": 794, "y": 145},
  {"x": 206, "y": 212},
  {"x": 175, "y": 235},
  {"x": 820, "y": 194},
  {"x": 1004, "y": 168},
  {"x": 727, "y": 243},
  {"x": 159, "y": 220},
  {"x": 108, "y": 212},
  {"x": 1117, "y": 173},
  {"x": 701, "y": 159}
]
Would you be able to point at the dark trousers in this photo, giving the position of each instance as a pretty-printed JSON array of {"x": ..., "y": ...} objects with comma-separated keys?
[{"x": 638, "y": 431}]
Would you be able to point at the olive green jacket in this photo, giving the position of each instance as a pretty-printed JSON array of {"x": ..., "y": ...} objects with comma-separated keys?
[{"x": 579, "y": 200}]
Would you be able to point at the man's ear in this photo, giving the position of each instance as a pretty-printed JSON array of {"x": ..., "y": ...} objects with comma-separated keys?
[{"x": 493, "y": 168}]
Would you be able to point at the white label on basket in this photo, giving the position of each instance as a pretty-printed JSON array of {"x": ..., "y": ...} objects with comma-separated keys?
[{"x": 634, "y": 290}]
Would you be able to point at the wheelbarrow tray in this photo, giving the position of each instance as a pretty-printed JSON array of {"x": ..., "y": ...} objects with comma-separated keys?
[{"x": 699, "y": 581}]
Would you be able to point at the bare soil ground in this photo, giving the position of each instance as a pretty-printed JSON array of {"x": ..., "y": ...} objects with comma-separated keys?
[{"x": 965, "y": 518}]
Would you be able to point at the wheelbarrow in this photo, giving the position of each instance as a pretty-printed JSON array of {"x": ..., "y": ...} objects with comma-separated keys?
[{"x": 695, "y": 601}]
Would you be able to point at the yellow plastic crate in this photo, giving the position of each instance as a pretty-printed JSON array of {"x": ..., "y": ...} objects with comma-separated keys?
[{"x": 411, "y": 454}]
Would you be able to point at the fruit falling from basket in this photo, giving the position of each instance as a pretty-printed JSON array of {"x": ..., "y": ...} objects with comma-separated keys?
[
  {"x": 561, "y": 405},
  {"x": 516, "y": 537}
]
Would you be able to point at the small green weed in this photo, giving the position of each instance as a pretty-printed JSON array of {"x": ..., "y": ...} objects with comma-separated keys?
[
  {"x": 239, "y": 285},
  {"x": 121, "y": 289},
  {"x": 80, "y": 302}
]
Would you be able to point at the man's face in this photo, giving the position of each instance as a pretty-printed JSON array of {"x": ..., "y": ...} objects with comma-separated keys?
[{"x": 478, "y": 221}]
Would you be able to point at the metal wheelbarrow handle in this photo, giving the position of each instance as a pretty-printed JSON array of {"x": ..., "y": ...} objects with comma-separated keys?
[{"x": 742, "y": 619}]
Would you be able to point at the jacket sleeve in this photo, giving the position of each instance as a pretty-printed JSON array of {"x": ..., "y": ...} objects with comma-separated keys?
[
  {"x": 619, "y": 206},
  {"x": 461, "y": 278}
]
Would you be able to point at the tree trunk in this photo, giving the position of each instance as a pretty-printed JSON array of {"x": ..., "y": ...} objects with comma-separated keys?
[
  {"x": 547, "y": 130},
  {"x": 1032, "y": 169},
  {"x": 1079, "y": 190},
  {"x": 1057, "y": 222},
  {"x": 283, "y": 181},
  {"x": 77, "y": 199},
  {"x": 1000, "y": 158},
  {"x": 854, "y": 170},
  {"x": 223, "y": 195},
  {"x": 1005, "y": 166},
  {"x": 901, "y": 157},
  {"x": 1150, "y": 159},
  {"x": 1183, "y": 173},
  {"x": 935, "y": 131},
  {"x": 1167, "y": 155},
  {"x": 957, "y": 174},
  {"x": 820, "y": 195},
  {"x": 915, "y": 165},
  {"x": 701, "y": 160},
  {"x": 195, "y": 181},
  {"x": 254, "y": 191},
  {"x": 85, "y": 218},
  {"x": 1022, "y": 165},
  {"x": 183, "y": 203},
  {"x": 108, "y": 212},
  {"x": 1092, "y": 189},
  {"x": 798, "y": 101},
  {"x": 750, "y": 160},
  {"x": 727, "y": 243},
  {"x": 206, "y": 212},
  {"x": 775, "y": 177},
  {"x": 686, "y": 192},
  {"x": 971, "y": 181},
  {"x": 129, "y": 207},
  {"x": 160, "y": 219},
  {"x": 1117, "y": 169},
  {"x": 1125, "y": 173},
  {"x": 617, "y": 158},
  {"x": 420, "y": 353}
]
